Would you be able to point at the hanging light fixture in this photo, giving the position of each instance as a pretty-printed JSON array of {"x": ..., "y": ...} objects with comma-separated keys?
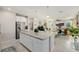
[{"x": 47, "y": 11}]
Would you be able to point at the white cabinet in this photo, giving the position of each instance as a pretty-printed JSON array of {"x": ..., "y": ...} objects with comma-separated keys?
[
  {"x": 35, "y": 44},
  {"x": 7, "y": 21},
  {"x": 25, "y": 40},
  {"x": 40, "y": 45}
]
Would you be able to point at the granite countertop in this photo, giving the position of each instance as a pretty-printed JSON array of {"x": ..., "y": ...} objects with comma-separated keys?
[{"x": 40, "y": 35}]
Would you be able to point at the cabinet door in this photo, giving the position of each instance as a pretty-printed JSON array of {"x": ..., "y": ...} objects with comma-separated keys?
[
  {"x": 37, "y": 45},
  {"x": 29, "y": 42},
  {"x": 40, "y": 45},
  {"x": 26, "y": 41},
  {"x": 46, "y": 45}
]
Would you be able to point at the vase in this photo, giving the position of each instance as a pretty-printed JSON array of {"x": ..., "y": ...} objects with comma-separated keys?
[
  {"x": 70, "y": 43},
  {"x": 76, "y": 43}
]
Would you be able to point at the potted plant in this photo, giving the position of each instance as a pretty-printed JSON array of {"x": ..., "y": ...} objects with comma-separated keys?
[{"x": 74, "y": 32}]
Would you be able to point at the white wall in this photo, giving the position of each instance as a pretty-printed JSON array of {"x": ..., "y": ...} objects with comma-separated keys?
[{"x": 7, "y": 21}]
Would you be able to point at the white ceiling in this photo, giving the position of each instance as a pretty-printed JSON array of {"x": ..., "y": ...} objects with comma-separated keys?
[{"x": 57, "y": 12}]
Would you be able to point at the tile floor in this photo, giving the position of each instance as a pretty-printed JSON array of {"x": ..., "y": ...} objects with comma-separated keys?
[
  {"x": 62, "y": 44},
  {"x": 16, "y": 48}
]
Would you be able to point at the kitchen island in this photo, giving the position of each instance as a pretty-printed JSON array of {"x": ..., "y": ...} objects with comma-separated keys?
[{"x": 38, "y": 42}]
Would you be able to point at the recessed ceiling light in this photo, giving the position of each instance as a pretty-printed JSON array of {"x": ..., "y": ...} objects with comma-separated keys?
[
  {"x": 47, "y": 16},
  {"x": 9, "y": 8}
]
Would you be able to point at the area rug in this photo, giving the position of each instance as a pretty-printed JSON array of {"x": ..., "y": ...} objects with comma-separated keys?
[{"x": 9, "y": 49}]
